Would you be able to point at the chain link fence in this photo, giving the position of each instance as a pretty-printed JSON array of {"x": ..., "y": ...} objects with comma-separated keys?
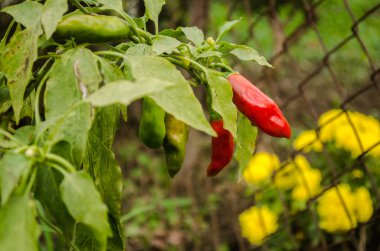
[
  {"x": 327, "y": 81},
  {"x": 326, "y": 56}
]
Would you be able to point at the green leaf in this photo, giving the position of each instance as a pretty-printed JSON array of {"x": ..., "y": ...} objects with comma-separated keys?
[
  {"x": 109, "y": 71},
  {"x": 3, "y": 43},
  {"x": 226, "y": 26},
  {"x": 140, "y": 21},
  {"x": 178, "y": 100},
  {"x": 116, "y": 5},
  {"x": 243, "y": 52},
  {"x": 62, "y": 89},
  {"x": 116, "y": 242},
  {"x": 84, "y": 203},
  {"x": 85, "y": 239},
  {"x": 52, "y": 13},
  {"x": 165, "y": 44},
  {"x": 140, "y": 50},
  {"x": 194, "y": 34},
  {"x": 246, "y": 141},
  {"x": 208, "y": 54},
  {"x": 125, "y": 92},
  {"x": 177, "y": 33},
  {"x": 63, "y": 149},
  {"x": 100, "y": 162},
  {"x": 73, "y": 127},
  {"x": 47, "y": 193},
  {"x": 27, "y": 109},
  {"x": 86, "y": 70},
  {"x": 153, "y": 9},
  {"x": 25, "y": 134},
  {"x": 4, "y": 106},
  {"x": 248, "y": 54},
  {"x": 19, "y": 230},
  {"x": 12, "y": 166},
  {"x": 221, "y": 100},
  {"x": 5, "y": 98},
  {"x": 20, "y": 54},
  {"x": 27, "y": 13}
]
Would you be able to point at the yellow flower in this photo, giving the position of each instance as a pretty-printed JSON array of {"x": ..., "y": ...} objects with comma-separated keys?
[
  {"x": 341, "y": 212},
  {"x": 336, "y": 210},
  {"x": 356, "y": 132},
  {"x": 364, "y": 130},
  {"x": 307, "y": 141},
  {"x": 357, "y": 173},
  {"x": 301, "y": 162},
  {"x": 364, "y": 209},
  {"x": 257, "y": 223},
  {"x": 368, "y": 129},
  {"x": 260, "y": 167},
  {"x": 287, "y": 177},
  {"x": 329, "y": 122},
  {"x": 308, "y": 184},
  {"x": 346, "y": 138}
]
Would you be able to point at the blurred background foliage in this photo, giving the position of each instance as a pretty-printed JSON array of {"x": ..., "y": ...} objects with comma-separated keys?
[{"x": 314, "y": 192}]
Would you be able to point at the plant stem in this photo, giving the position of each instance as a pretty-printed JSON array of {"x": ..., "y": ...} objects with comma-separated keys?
[
  {"x": 114, "y": 48},
  {"x": 133, "y": 25},
  {"x": 79, "y": 6},
  {"x": 195, "y": 63},
  {"x": 177, "y": 62},
  {"x": 31, "y": 180},
  {"x": 74, "y": 236},
  {"x": 21, "y": 149},
  {"x": 224, "y": 66},
  {"x": 49, "y": 56},
  {"x": 110, "y": 53},
  {"x": 180, "y": 63},
  {"x": 57, "y": 168},
  {"x": 37, "y": 100},
  {"x": 10, "y": 136},
  {"x": 4, "y": 40},
  {"x": 5, "y": 122},
  {"x": 61, "y": 162}
]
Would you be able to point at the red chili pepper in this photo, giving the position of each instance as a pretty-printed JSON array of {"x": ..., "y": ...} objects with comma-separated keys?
[
  {"x": 261, "y": 110},
  {"x": 222, "y": 148}
]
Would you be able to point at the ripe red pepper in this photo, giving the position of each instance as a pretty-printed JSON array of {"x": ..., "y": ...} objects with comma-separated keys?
[
  {"x": 261, "y": 110},
  {"x": 222, "y": 148}
]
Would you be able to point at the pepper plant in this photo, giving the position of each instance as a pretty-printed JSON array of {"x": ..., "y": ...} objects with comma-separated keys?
[{"x": 68, "y": 70}]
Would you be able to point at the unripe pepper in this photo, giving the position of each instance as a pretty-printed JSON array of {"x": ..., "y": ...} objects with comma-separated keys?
[
  {"x": 152, "y": 124},
  {"x": 261, "y": 110},
  {"x": 177, "y": 134},
  {"x": 222, "y": 147},
  {"x": 92, "y": 28}
]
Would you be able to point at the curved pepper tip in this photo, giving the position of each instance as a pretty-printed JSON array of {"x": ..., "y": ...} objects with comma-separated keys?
[
  {"x": 171, "y": 174},
  {"x": 287, "y": 131},
  {"x": 211, "y": 172}
]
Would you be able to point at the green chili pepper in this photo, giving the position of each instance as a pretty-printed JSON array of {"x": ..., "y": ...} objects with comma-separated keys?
[
  {"x": 174, "y": 144},
  {"x": 92, "y": 28},
  {"x": 152, "y": 124}
]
